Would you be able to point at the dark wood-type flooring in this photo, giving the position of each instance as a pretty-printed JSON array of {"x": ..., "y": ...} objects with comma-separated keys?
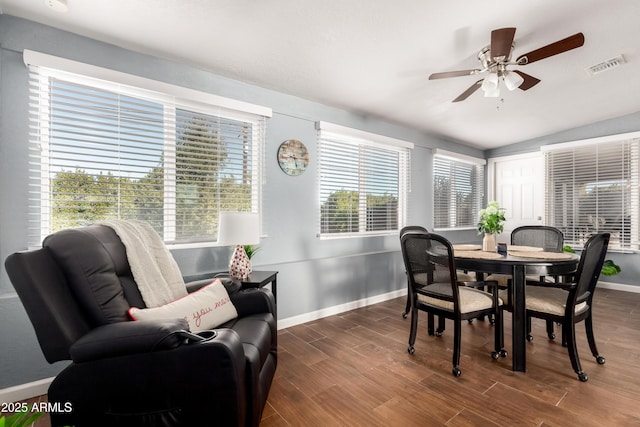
[{"x": 353, "y": 369}]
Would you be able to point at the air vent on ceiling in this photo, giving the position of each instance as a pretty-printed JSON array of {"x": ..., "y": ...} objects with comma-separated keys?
[{"x": 606, "y": 65}]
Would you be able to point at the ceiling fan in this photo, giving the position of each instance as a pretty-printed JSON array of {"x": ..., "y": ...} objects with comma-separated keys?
[{"x": 496, "y": 58}]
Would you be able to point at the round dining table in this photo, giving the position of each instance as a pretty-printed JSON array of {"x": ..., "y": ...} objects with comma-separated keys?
[{"x": 518, "y": 265}]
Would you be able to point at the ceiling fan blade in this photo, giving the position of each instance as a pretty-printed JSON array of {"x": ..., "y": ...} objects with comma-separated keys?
[
  {"x": 501, "y": 43},
  {"x": 560, "y": 46},
  {"x": 464, "y": 95},
  {"x": 529, "y": 81},
  {"x": 448, "y": 74}
]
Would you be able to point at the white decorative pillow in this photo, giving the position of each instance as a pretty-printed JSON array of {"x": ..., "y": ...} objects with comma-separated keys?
[{"x": 204, "y": 309}]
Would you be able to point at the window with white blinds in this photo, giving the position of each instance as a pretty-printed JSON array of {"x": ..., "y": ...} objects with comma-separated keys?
[
  {"x": 458, "y": 190},
  {"x": 593, "y": 186},
  {"x": 105, "y": 150},
  {"x": 364, "y": 180}
]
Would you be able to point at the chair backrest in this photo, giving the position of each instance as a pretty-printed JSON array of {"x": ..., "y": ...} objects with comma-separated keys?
[
  {"x": 79, "y": 280},
  {"x": 413, "y": 229},
  {"x": 56, "y": 317},
  {"x": 94, "y": 262},
  {"x": 589, "y": 267},
  {"x": 432, "y": 254},
  {"x": 541, "y": 236}
]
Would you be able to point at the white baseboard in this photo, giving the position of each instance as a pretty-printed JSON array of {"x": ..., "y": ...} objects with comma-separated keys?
[
  {"x": 337, "y": 309},
  {"x": 619, "y": 287},
  {"x": 25, "y": 391}
]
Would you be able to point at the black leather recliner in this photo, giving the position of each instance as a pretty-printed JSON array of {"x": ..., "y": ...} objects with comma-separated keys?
[{"x": 77, "y": 290}]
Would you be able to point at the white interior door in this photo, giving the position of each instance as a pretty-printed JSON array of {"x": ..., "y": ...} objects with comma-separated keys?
[{"x": 517, "y": 183}]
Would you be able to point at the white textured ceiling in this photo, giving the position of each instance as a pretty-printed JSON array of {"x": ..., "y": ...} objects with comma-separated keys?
[{"x": 373, "y": 56}]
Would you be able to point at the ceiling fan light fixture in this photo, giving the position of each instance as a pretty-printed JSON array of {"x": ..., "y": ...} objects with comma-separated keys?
[
  {"x": 492, "y": 93},
  {"x": 490, "y": 83},
  {"x": 512, "y": 80}
]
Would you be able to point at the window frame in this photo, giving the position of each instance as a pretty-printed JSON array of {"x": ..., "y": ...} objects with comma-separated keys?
[
  {"x": 172, "y": 98},
  {"x": 363, "y": 140},
  {"x": 462, "y": 159},
  {"x": 632, "y": 194}
]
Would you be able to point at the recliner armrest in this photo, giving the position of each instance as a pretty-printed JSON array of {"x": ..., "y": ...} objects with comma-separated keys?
[
  {"x": 229, "y": 284},
  {"x": 122, "y": 338},
  {"x": 253, "y": 301}
]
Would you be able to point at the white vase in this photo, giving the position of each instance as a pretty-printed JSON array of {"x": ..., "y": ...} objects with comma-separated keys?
[{"x": 489, "y": 242}]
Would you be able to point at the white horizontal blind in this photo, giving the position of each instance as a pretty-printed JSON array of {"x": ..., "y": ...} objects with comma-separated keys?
[
  {"x": 458, "y": 192},
  {"x": 363, "y": 184},
  {"x": 594, "y": 188},
  {"x": 105, "y": 151}
]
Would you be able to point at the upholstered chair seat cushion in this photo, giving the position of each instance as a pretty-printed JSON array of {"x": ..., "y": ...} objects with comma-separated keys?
[
  {"x": 547, "y": 300},
  {"x": 470, "y": 299},
  {"x": 502, "y": 279}
]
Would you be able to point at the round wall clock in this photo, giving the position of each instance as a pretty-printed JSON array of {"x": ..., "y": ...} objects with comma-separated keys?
[{"x": 293, "y": 157}]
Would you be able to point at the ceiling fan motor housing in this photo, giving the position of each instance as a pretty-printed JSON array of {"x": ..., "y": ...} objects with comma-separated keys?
[{"x": 484, "y": 56}]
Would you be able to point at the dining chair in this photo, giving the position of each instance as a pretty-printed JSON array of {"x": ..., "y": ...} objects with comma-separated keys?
[
  {"x": 421, "y": 278},
  {"x": 570, "y": 303},
  {"x": 411, "y": 229},
  {"x": 550, "y": 239},
  {"x": 443, "y": 295}
]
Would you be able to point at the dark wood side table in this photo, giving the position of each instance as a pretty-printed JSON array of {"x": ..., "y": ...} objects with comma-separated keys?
[{"x": 258, "y": 279}]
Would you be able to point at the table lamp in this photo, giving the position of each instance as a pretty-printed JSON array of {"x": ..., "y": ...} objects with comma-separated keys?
[{"x": 239, "y": 229}]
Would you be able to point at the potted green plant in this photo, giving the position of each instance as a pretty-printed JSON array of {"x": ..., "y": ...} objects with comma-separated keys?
[
  {"x": 251, "y": 250},
  {"x": 609, "y": 268},
  {"x": 19, "y": 419},
  {"x": 491, "y": 222}
]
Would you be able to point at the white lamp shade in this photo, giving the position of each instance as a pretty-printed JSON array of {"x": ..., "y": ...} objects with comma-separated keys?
[
  {"x": 238, "y": 228},
  {"x": 512, "y": 80}
]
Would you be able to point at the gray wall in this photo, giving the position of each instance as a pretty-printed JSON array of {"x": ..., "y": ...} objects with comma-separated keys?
[{"x": 314, "y": 274}]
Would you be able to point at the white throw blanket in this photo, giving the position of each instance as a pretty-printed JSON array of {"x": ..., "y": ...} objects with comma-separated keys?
[{"x": 154, "y": 269}]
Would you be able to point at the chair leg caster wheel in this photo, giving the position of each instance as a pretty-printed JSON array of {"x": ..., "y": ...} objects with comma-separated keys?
[
  {"x": 470, "y": 321},
  {"x": 411, "y": 350},
  {"x": 552, "y": 336},
  {"x": 529, "y": 337},
  {"x": 495, "y": 355},
  {"x": 582, "y": 377},
  {"x": 456, "y": 371},
  {"x": 404, "y": 315},
  {"x": 600, "y": 360},
  {"x": 503, "y": 353},
  {"x": 438, "y": 333}
]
